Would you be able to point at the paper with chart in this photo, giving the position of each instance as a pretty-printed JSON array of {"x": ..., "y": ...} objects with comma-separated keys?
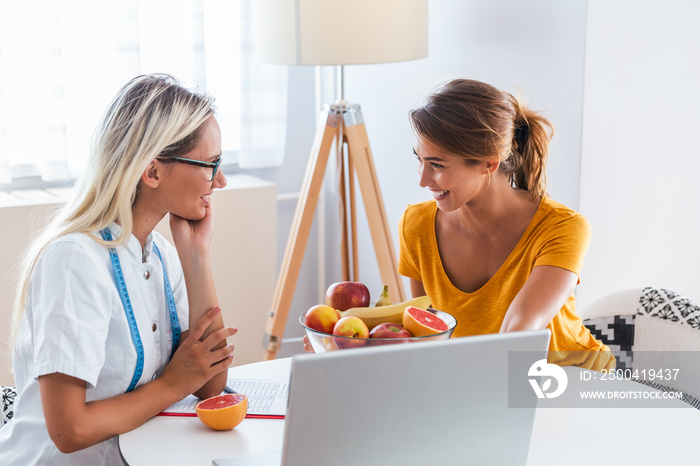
[{"x": 266, "y": 398}]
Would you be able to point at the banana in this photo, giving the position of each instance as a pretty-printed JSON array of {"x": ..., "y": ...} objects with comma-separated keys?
[
  {"x": 384, "y": 299},
  {"x": 373, "y": 316}
]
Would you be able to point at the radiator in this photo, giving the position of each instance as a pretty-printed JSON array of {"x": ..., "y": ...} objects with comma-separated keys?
[{"x": 243, "y": 254}]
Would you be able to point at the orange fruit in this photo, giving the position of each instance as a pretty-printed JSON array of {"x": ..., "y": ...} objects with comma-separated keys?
[
  {"x": 222, "y": 412},
  {"x": 421, "y": 322}
]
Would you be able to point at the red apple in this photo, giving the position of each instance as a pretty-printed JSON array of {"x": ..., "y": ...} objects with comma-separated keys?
[
  {"x": 389, "y": 333},
  {"x": 352, "y": 327},
  {"x": 344, "y": 295},
  {"x": 389, "y": 330},
  {"x": 322, "y": 318}
]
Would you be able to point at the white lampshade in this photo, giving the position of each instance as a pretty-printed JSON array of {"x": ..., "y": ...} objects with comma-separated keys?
[{"x": 341, "y": 32}]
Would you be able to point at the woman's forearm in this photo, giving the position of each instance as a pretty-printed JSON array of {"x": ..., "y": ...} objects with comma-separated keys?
[
  {"x": 201, "y": 292},
  {"x": 202, "y": 297},
  {"x": 544, "y": 294},
  {"x": 74, "y": 424}
]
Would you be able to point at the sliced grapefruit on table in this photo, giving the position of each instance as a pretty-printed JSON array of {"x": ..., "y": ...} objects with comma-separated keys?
[
  {"x": 222, "y": 412},
  {"x": 421, "y": 322}
]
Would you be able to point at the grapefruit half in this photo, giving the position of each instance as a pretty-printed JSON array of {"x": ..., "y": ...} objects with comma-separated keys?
[
  {"x": 422, "y": 323},
  {"x": 222, "y": 412}
]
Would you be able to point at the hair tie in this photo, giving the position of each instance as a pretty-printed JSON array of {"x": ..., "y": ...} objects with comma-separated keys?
[{"x": 520, "y": 134}]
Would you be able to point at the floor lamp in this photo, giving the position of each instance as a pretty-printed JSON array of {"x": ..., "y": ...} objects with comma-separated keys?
[{"x": 338, "y": 33}]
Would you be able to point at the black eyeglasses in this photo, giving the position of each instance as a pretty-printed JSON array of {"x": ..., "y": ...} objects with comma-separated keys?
[{"x": 198, "y": 163}]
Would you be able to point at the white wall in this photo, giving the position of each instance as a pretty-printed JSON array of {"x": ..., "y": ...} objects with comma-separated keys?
[
  {"x": 536, "y": 47},
  {"x": 633, "y": 124},
  {"x": 301, "y": 124},
  {"x": 641, "y": 155}
]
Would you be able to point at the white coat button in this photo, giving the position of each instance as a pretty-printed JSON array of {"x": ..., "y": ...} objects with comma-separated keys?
[
  {"x": 147, "y": 275},
  {"x": 154, "y": 327}
]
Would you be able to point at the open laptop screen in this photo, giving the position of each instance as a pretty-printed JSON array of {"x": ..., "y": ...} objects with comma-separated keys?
[{"x": 441, "y": 402}]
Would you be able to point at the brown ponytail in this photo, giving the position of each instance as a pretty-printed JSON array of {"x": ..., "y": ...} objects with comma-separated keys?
[
  {"x": 527, "y": 161},
  {"x": 481, "y": 123}
]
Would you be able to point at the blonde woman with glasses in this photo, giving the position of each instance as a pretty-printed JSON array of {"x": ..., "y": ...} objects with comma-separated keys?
[{"x": 112, "y": 323}]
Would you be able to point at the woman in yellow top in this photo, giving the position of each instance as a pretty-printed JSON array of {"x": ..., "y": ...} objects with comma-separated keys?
[{"x": 492, "y": 248}]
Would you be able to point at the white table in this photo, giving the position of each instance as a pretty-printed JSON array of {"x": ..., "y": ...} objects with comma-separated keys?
[
  {"x": 640, "y": 436},
  {"x": 178, "y": 440},
  {"x": 572, "y": 436}
]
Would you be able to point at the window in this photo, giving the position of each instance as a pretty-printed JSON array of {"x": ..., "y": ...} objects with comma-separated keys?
[{"x": 62, "y": 61}]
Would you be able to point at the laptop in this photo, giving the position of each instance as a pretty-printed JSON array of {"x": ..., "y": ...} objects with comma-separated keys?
[{"x": 435, "y": 402}]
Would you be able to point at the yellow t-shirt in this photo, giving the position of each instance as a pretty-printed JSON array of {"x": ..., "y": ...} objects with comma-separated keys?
[{"x": 556, "y": 236}]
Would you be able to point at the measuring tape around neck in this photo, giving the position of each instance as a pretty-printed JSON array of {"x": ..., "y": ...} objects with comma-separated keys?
[
  {"x": 129, "y": 311},
  {"x": 174, "y": 322}
]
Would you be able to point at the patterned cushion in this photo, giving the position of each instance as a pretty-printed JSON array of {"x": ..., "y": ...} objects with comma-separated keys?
[
  {"x": 664, "y": 304},
  {"x": 693, "y": 401},
  {"x": 8, "y": 400},
  {"x": 619, "y": 330},
  {"x": 618, "y": 333}
]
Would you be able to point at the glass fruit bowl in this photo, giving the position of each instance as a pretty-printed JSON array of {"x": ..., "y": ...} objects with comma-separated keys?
[{"x": 323, "y": 342}]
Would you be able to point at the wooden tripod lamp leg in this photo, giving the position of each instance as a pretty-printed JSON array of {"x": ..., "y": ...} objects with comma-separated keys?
[
  {"x": 326, "y": 133},
  {"x": 343, "y": 206},
  {"x": 361, "y": 156},
  {"x": 355, "y": 276}
]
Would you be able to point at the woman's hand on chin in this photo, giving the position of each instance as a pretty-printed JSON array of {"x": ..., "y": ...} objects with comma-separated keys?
[{"x": 193, "y": 235}]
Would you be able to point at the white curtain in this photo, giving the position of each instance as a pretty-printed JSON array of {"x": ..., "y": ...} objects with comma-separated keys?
[
  {"x": 258, "y": 91},
  {"x": 61, "y": 61}
]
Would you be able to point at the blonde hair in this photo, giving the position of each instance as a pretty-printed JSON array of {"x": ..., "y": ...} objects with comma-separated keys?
[
  {"x": 151, "y": 116},
  {"x": 481, "y": 123}
]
